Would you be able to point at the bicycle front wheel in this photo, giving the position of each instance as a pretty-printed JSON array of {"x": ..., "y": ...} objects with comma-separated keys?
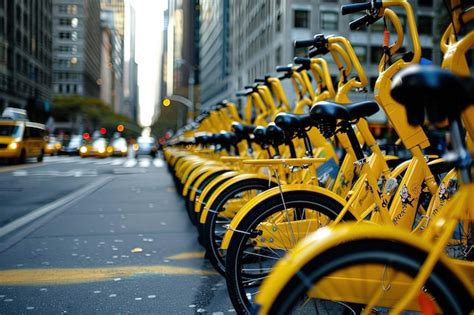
[
  {"x": 266, "y": 234},
  {"x": 371, "y": 274}
]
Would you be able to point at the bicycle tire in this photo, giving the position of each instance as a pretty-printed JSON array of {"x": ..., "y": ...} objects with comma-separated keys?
[
  {"x": 442, "y": 285},
  {"x": 210, "y": 234},
  {"x": 234, "y": 257}
]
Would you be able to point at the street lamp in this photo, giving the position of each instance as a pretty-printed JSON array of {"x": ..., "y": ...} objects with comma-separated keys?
[
  {"x": 190, "y": 81},
  {"x": 180, "y": 99}
]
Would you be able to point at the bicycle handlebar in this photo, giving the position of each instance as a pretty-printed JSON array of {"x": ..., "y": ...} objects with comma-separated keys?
[
  {"x": 304, "y": 43},
  {"x": 284, "y": 68},
  {"x": 362, "y": 21},
  {"x": 357, "y": 7},
  {"x": 302, "y": 60},
  {"x": 318, "y": 51}
]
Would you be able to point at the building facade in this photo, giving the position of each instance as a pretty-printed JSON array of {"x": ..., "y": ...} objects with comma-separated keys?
[
  {"x": 112, "y": 63},
  {"x": 77, "y": 47},
  {"x": 261, "y": 35},
  {"x": 25, "y": 53},
  {"x": 131, "y": 99},
  {"x": 181, "y": 71}
]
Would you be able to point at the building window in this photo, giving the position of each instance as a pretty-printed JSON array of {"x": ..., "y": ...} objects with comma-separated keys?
[
  {"x": 278, "y": 23},
  {"x": 301, "y": 18},
  {"x": 74, "y": 22},
  {"x": 425, "y": 25},
  {"x": 65, "y": 22},
  {"x": 278, "y": 55},
  {"x": 64, "y": 35},
  {"x": 329, "y": 20},
  {"x": 361, "y": 52},
  {"x": 74, "y": 36},
  {"x": 72, "y": 9}
]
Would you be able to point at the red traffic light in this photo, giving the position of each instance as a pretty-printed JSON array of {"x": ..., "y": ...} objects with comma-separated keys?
[
  {"x": 103, "y": 131},
  {"x": 86, "y": 136}
]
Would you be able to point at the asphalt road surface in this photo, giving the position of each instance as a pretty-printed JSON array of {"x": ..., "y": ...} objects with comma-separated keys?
[{"x": 100, "y": 236}]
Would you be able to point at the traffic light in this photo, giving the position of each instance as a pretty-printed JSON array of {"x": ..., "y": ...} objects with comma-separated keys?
[
  {"x": 103, "y": 131},
  {"x": 166, "y": 102},
  {"x": 86, "y": 136},
  {"x": 120, "y": 128}
]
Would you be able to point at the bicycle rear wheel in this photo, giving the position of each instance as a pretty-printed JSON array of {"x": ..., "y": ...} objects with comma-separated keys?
[{"x": 346, "y": 277}]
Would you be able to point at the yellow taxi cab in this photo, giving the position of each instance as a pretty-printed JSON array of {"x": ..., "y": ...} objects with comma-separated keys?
[
  {"x": 53, "y": 146},
  {"x": 98, "y": 148},
  {"x": 21, "y": 139}
]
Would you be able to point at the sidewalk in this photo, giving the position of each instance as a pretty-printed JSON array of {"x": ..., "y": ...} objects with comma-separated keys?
[{"x": 127, "y": 247}]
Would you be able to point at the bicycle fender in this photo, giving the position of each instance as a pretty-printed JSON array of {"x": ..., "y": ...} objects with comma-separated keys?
[
  {"x": 195, "y": 172},
  {"x": 208, "y": 171},
  {"x": 210, "y": 187},
  {"x": 248, "y": 207},
  {"x": 328, "y": 237},
  {"x": 230, "y": 182}
]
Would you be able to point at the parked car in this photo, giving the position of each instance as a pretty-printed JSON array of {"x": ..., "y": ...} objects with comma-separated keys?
[
  {"x": 98, "y": 148},
  {"x": 20, "y": 139},
  {"x": 53, "y": 146},
  {"x": 120, "y": 147},
  {"x": 72, "y": 145},
  {"x": 145, "y": 146}
]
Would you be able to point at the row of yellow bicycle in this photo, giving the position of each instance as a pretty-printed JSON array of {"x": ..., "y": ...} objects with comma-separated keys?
[{"x": 297, "y": 227}]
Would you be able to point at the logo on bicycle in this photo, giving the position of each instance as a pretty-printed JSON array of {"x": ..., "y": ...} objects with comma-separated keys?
[
  {"x": 406, "y": 197},
  {"x": 445, "y": 192}
]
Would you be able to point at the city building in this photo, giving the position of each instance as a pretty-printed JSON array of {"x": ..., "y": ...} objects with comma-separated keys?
[
  {"x": 112, "y": 63},
  {"x": 76, "y": 47},
  {"x": 214, "y": 51},
  {"x": 25, "y": 53},
  {"x": 130, "y": 84},
  {"x": 182, "y": 54},
  {"x": 244, "y": 40}
]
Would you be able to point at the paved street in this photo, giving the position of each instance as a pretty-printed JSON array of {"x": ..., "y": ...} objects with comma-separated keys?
[{"x": 91, "y": 236}]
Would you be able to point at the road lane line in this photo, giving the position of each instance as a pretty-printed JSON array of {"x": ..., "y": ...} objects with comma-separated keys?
[
  {"x": 144, "y": 163},
  {"x": 117, "y": 162},
  {"x": 130, "y": 163},
  {"x": 158, "y": 163},
  {"x": 187, "y": 255},
  {"x": 43, "y": 276},
  {"x": 18, "y": 167},
  {"x": 41, "y": 211}
]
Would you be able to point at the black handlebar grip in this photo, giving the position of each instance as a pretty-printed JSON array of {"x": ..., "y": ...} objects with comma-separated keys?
[
  {"x": 282, "y": 77},
  {"x": 301, "y": 60},
  {"x": 259, "y": 80},
  {"x": 357, "y": 23},
  {"x": 284, "y": 68},
  {"x": 304, "y": 43}
]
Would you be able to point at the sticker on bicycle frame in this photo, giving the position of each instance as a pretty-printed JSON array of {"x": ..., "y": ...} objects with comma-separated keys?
[{"x": 406, "y": 197}]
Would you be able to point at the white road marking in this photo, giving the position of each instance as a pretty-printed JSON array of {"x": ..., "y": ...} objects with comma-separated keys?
[
  {"x": 130, "y": 163},
  {"x": 117, "y": 162},
  {"x": 144, "y": 163},
  {"x": 158, "y": 163},
  {"x": 33, "y": 215}
]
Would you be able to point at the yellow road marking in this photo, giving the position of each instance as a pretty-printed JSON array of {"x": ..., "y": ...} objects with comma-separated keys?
[
  {"x": 188, "y": 255},
  {"x": 60, "y": 276},
  {"x": 18, "y": 167}
]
